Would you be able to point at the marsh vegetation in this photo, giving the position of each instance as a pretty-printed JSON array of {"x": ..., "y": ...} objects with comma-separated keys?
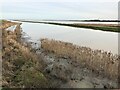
[
  {"x": 21, "y": 67},
  {"x": 104, "y": 63}
]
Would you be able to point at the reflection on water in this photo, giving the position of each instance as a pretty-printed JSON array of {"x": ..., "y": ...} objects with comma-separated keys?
[{"x": 95, "y": 39}]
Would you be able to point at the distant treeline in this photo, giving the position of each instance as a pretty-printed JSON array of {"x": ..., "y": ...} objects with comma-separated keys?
[
  {"x": 95, "y": 20},
  {"x": 102, "y": 20}
]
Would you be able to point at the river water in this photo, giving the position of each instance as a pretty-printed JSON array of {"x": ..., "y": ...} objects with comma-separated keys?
[{"x": 95, "y": 39}]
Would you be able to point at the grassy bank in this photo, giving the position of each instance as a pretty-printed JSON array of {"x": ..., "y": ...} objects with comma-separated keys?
[
  {"x": 98, "y": 61},
  {"x": 21, "y": 67},
  {"x": 103, "y": 27}
]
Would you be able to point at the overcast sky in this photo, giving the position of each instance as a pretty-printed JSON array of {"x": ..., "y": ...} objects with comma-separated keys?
[{"x": 69, "y": 9}]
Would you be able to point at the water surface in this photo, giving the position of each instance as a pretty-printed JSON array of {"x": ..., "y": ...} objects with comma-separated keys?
[{"x": 95, "y": 39}]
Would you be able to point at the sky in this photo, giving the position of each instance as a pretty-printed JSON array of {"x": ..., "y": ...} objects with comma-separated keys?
[{"x": 59, "y": 9}]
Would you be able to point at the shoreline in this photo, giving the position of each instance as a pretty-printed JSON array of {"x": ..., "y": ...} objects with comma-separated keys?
[
  {"x": 105, "y": 63},
  {"x": 101, "y": 27}
]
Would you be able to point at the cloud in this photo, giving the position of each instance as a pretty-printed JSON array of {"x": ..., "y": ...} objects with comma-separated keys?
[
  {"x": 59, "y": 1},
  {"x": 60, "y": 10}
]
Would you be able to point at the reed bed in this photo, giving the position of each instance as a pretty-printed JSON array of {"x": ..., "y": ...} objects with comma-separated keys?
[
  {"x": 98, "y": 61},
  {"x": 21, "y": 67}
]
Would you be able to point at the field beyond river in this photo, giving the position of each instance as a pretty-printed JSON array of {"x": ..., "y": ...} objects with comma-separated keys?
[{"x": 54, "y": 63}]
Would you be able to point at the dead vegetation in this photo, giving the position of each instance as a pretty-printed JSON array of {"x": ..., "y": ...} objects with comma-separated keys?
[
  {"x": 21, "y": 68},
  {"x": 98, "y": 61},
  {"x": 5, "y": 24}
]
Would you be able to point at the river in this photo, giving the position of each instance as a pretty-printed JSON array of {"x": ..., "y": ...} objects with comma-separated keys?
[{"x": 95, "y": 39}]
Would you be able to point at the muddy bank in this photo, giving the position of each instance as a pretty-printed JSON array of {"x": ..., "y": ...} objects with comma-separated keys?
[
  {"x": 64, "y": 72},
  {"x": 100, "y": 62}
]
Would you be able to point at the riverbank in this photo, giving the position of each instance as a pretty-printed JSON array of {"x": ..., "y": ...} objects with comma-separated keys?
[
  {"x": 79, "y": 67},
  {"x": 102, "y": 27},
  {"x": 67, "y": 72},
  {"x": 21, "y": 66},
  {"x": 104, "y": 63}
]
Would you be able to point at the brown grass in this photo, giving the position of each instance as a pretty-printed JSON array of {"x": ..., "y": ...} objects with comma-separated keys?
[
  {"x": 5, "y": 24},
  {"x": 20, "y": 66},
  {"x": 99, "y": 61}
]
